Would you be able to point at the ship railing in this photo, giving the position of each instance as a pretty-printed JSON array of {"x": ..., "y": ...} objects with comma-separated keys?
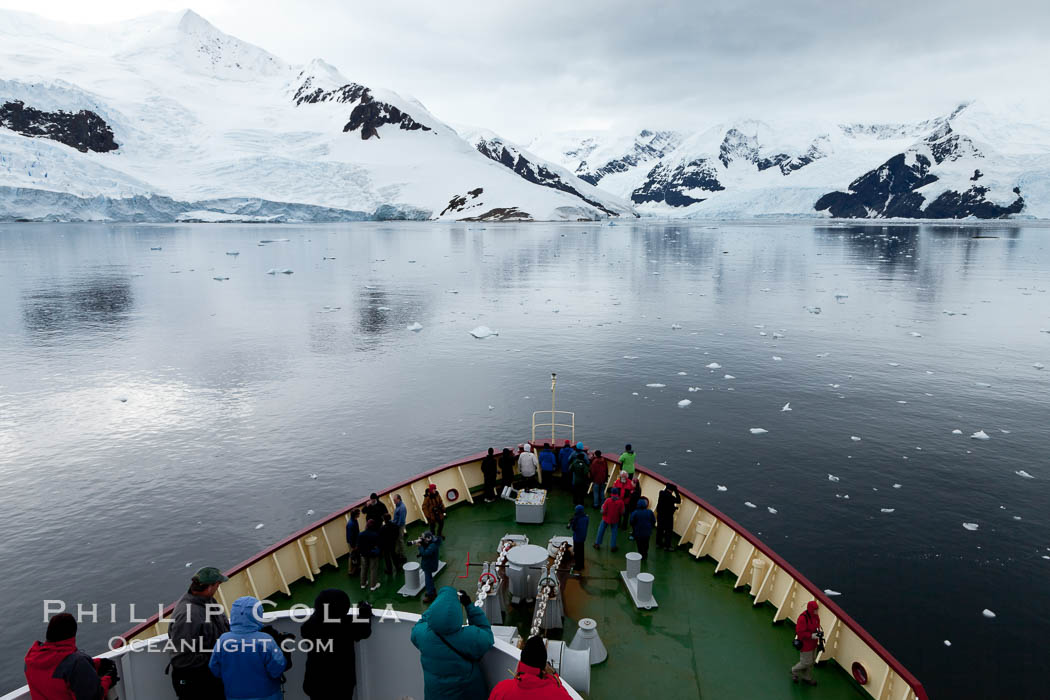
[{"x": 554, "y": 424}]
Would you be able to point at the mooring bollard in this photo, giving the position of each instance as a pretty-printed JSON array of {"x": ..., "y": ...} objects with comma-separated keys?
[
  {"x": 634, "y": 564},
  {"x": 587, "y": 639},
  {"x": 311, "y": 550}
]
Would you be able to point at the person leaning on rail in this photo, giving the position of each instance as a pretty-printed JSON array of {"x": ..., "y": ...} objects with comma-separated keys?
[
  {"x": 56, "y": 670},
  {"x": 197, "y": 622},
  {"x": 534, "y": 679},
  {"x": 449, "y": 651}
]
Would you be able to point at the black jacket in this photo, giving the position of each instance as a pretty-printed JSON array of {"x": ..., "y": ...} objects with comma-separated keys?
[
  {"x": 667, "y": 504},
  {"x": 188, "y": 622},
  {"x": 375, "y": 512},
  {"x": 388, "y": 534},
  {"x": 332, "y": 674}
]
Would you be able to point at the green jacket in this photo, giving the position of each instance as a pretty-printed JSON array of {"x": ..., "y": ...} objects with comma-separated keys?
[
  {"x": 627, "y": 462},
  {"x": 446, "y": 674}
]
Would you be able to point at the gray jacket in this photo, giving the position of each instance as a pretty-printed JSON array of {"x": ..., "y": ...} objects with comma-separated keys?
[{"x": 191, "y": 624}]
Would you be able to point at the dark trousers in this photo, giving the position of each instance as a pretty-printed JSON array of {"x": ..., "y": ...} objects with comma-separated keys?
[
  {"x": 665, "y": 532},
  {"x": 389, "y": 561},
  {"x": 440, "y": 527},
  {"x": 579, "y": 493},
  {"x": 196, "y": 684},
  {"x": 490, "y": 486},
  {"x": 643, "y": 545},
  {"x": 578, "y": 548}
]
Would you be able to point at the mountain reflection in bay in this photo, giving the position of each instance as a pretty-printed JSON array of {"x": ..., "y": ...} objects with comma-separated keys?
[{"x": 151, "y": 415}]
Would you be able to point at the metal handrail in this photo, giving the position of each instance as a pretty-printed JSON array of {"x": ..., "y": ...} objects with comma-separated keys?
[{"x": 553, "y": 424}]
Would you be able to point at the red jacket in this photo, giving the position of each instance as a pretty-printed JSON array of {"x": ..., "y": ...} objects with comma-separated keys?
[
  {"x": 60, "y": 671},
  {"x": 599, "y": 471},
  {"x": 612, "y": 509},
  {"x": 527, "y": 685},
  {"x": 808, "y": 623}
]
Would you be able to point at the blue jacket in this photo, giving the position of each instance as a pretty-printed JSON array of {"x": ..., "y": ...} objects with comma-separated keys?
[
  {"x": 400, "y": 514},
  {"x": 563, "y": 458},
  {"x": 428, "y": 555},
  {"x": 579, "y": 524},
  {"x": 547, "y": 460},
  {"x": 446, "y": 674},
  {"x": 642, "y": 520},
  {"x": 248, "y": 661},
  {"x": 368, "y": 543},
  {"x": 353, "y": 531}
]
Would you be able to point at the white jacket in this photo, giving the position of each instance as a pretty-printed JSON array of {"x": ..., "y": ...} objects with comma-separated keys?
[{"x": 528, "y": 464}]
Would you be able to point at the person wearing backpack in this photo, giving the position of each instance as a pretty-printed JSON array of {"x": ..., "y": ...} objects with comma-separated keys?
[
  {"x": 580, "y": 467},
  {"x": 450, "y": 652}
]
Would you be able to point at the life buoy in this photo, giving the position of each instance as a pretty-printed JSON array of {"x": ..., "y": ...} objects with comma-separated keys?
[
  {"x": 860, "y": 674},
  {"x": 452, "y": 495}
]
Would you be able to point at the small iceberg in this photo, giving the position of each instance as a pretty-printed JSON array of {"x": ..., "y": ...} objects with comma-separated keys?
[
  {"x": 1039, "y": 365},
  {"x": 771, "y": 510},
  {"x": 220, "y": 279},
  {"x": 729, "y": 376},
  {"x": 832, "y": 477},
  {"x": 988, "y": 613},
  {"x": 483, "y": 332},
  {"x": 714, "y": 365},
  {"x": 260, "y": 526},
  {"x": 896, "y": 486},
  {"x": 233, "y": 252},
  {"x": 812, "y": 309},
  {"x": 970, "y": 526},
  {"x": 887, "y": 510},
  {"x": 758, "y": 431},
  {"x": 1023, "y": 473},
  {"x": 684, "y": 402},
  {"x": 947, "y": 643},
  {"x": 313, "y": 476},
  {"x": 828, "y": 591},
  {"x": 840, "y": 297},
  {"x": 749, "y": 504},
  {"x": 283, "y": 271},
  {"x": 980, "y": 435},
  {"x": 787, "y": 407},
  {"x": 957, "y": 432},
  {"x": 415, "y": 326},
  {"x": 854, "y": 438},
  {"x": 722, "y": 488},
  {"x": 913, "y": 334},
  {"x": 676, "y": 326},
  {"x": 656, "y": 386},
  {"x": 777, "y": 359},
  {"x": 274, "y": 240}
]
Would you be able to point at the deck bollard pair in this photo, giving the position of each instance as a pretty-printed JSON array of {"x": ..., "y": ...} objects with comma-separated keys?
[{"x": 639, "y": 584}]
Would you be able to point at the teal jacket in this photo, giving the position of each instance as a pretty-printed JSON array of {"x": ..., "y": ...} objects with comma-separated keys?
[{"x": 446, "y": 674}]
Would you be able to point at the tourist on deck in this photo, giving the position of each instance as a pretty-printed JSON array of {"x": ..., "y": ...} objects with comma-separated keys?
[
  {"x": 197, "y": 622},
  {"x": 626, "y": 486},
  {"x": 627, "y": 459},
  {"x": 488, "y": 470},
  {"x": 334, "y": 626},
  {"x": 429, "y": 549},
  {"x": 374, "y": 509},
  {"x": 807, "y": 630},
  {"x": 370, "y": 547},
  {"x": 434, "y": 510},
  {"x": 666, "y": 506},
  {"x": 532, "y": 681},
  {"x": 630, "y": 501},
  {"x": 547, "y": 465},
  {"x": 56, "y": 670},
  {"x": 506, "y": 467},
  {"x": 528, "y": 466},
  {"x": 612, "y": 509},
  {"x": 248, "y": 660},
  {"x": 450, "y": 652},
  {"x": 580, "y": 468},
  {"x": 599, "y": 475},
  {"x": 565, "y": 453},
  {"x": 579, "y": 524},
  {"x": 642, "y": 523},
  {"x": 400, "y": 519},
  {"x": 353, "y": 535},
  {"x": 388, "y": 536}
]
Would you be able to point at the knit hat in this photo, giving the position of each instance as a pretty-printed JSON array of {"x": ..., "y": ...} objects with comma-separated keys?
[
  {"x": 528, "y": 447},
  {"x": 534, "y": 653},
  {"x": 62, "y": 626}
]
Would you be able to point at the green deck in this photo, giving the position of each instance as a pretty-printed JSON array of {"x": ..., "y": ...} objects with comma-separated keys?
[{"x": 704, "y": 641}]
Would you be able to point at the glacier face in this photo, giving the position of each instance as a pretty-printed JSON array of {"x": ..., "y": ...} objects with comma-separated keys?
[{"x": 162, "y": 116}]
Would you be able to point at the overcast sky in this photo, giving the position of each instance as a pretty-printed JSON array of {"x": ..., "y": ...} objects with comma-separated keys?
[{"x": 521, "y": 67}]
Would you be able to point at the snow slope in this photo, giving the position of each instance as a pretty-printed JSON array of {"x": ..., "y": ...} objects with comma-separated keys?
[{"x": 198, "y": 115}]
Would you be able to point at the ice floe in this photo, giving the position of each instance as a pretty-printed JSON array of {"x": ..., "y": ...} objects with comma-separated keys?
[
  {"x": 758, "y": 431},
  {"x": 787, "y": 407},
  {"x": 1022, "y": 472},
  {"x": 693, "y": 389},
  {"x": 714, "y": 365},
  {"x": 957, "y": 432},
  {"x": 896, "y": 486},
  {"x": 220, "y": 279},
  {"x": 812, "y": 309},
  {"x": 729, "y": 376},
  {"x": 415, "y": 326},
  {"x": 283, "y": 271},
  {"x": 980, "y": 435},
  {"x": 947, "y": 643},
  {"x": 971, "y": 526},
  {"x": 313, "y": 476},
  {"x": 260, "y": 526},
  {"x": 771, "y": 510},
  {"x": 913, "y": 334},
  {"x": 722, "y": 488},
  {"x": 656, "y": 386},
  {"x": 676, "y": 326},
  {"x": 832, "y": 477},
  {"x": 777, "y": 359},
  {"x": 983, "y": 385},
  {"x": 854, "y": 438},
  {"x": 887, "y": 510},
  {"x": 828, "y": 591},
  {"x": 233, "y": 252},
  {"x": 483, "y": 332},
  {"x": 683, "y": 403},
  {"x": 749, "y": 504},
  {"x": 988, "y": 613},
  {"x": 1039, "y": 365}
]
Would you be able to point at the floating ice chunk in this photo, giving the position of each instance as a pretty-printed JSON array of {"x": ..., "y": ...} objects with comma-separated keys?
[
  {"x": 887, "y": 510},
  {"x": 980, "y": 435},
  {"x": 902, "y": 402},
  {"x": 1039, "y": 365},
  {"x": 894, "y": 364},
  {"x": 188, "y": 564},
  {"x": 683, "y": 403},
  {"x": 694, "y": 389},
  {"x": 947, "y": 643},
  {"x": 970, "y": 526},
  {"x": 823, "y": 354},
  {"x": 1004, "y": 432},
  {"x": 771, "y": 510},
  {"x": 630, "y": 357},
  {"x": 758, "y": 431},
  {"x": 988, "y": 613},
  {"x": 778, "y": 335},
  {"x": 483, "y": 332},
  {"x": 840, "y": 297},
  {"x": 1022, "y": 472},
  {"x": 913, "y": 334},
  {"x": 415, "y": 326},
  {"x": 777, "y": 359},
  {"x": 983, "y": 385},
  {"x": 382, "y": 308},
  {"x": 728, "y": 376},
  {"x": 451, "y": 291},
  {"x": 896, "y": 486},
  {"x": 762, "y": 333},
  {"x": 682, "y": 374},
  {"x": 832, "y": 477},
  {"x": 220, "y": 279},
  {"x": 854, "y": 438},
  {"x": 233, "y": 252},
  {"x": 722, "y": 488},
  {"x": 957, "y": 432},
  {"x": 764, "y": 289},
  {"x": 656, "y": 386},
  {"x": 274, "y": 240},
  {"x": 787, "y": 407},
  {"x": 310, "y": 512},
  {"x": 812, "y": 309},
  {"x": 676, "y": 326},
  {"x": 491, "y": 407},
  {"x": 260, "y": 526},
  {"x": 749, "y": 504},
  {"x": 313, "y": 476},
  {"x": 828, "y": 591},
  {"x": 714, "y": 365},
  {"x": 157, "y": 248}
]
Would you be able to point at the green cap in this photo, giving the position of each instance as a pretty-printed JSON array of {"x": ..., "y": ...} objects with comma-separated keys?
[{"x": 209, "y": 575}]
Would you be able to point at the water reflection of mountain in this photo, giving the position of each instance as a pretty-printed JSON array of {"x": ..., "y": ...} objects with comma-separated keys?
[{"x": 97, "y": 303}]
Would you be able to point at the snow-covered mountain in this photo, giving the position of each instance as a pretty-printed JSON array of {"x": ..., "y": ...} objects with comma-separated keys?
[
  {"x": 165, "y": 117},
  {"x": 975, "y": 162}
]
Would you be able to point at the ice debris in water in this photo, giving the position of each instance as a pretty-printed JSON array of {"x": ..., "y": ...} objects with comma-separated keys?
[
  {"x": 983, "y": 385},
  {"x": 683, "y": 374},
  {"x": 260, "y": 526},
  {"x": 157, "y": 248},
  {"x": 771, "y": 510},
  {"x": 913, "y": 334},
  {"x": 947, "y": 643},
  {"x": 758, "y": 431},
  {"x": 832, "y": 477},
  {"x": 894, "y": 364},
  {"x": 283, "y": 271},
  {"x": 840, "y": 297},
  {"x": 988, "y": 613},
  {"x": 714, "y": 365},
  {"x": 970, "y": 526},
  {"x": 787, "y": 407},
  {"x": 896, "y": 486},
  {"x": 749, "y": 504},
  {"x": 122, "y": 399},
  {"x": 812, "y": 309},
  {"x": 722, "y": 488},
  {"x": 656, "y": 386},
  {"x": 729, "y": 376},
  {"x": 233, "y": 252},
  {"x": 415, "y": 326},
  {"x": 694, "y": 389},
  {"x": 220, "y": 279},
  {"x": 887, "y": 510},
  {"x": 828, "y": 591},
  {"x": 310, "y": 512},
  {"x": 630, "y": 357},
  {"x": 683, "y": 403},
  {"x": 676, "y": 326},
  {"x": 957, "y": 432},
  {"x": 1022, "y": 472},
  {"x": 313, "y": 476},
  {"x": 1039, "y": 365},
  {"x": 483, "y": 332},
  {"x": 777, "y": 359},
  {"x": 980, "y": 435},
  {"x": 854, "y": 438}
]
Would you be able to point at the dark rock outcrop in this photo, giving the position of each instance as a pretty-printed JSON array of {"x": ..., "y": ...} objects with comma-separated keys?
[
  {"x": 83, "y": 130},
  {"x": 459, "y": 202},
  {"x": 369, "y": 113},
  {"x": 669, "y": 184},
  {"x": 502, "y": 214},
  {"x": 648, "y": 146},
  {"x": 737, "y": 146}
]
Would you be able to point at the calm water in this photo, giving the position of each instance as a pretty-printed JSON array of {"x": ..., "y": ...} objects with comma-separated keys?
[{"x": 151, "y": 417}]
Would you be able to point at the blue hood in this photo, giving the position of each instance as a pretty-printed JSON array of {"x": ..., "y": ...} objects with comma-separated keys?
[
  {"x": 579, "y": 509},
  {"x": 445, "y": 614},
  {"x": 242, "y": 615}
]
